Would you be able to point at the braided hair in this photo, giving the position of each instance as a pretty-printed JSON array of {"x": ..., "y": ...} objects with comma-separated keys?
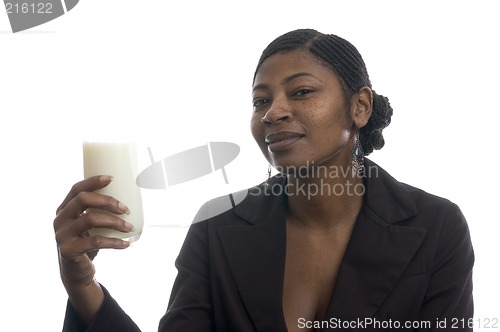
[{"x": 346, "y": 62}]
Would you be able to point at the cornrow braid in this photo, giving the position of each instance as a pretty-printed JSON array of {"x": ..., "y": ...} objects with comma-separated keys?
[{"x": 346, "y": 62}]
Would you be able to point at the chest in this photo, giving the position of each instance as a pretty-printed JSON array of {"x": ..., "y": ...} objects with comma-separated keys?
[{"x": 311, "y": 268}]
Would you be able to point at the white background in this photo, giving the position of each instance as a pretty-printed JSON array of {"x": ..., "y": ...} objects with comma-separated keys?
[{"x": 177, "y": 74}]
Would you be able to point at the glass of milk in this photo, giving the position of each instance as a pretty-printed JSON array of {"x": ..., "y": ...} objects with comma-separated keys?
[{"x": 119, "y": 160}]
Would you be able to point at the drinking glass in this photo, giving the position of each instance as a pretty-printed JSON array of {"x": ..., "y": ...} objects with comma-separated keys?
[{"x": 118, "y": 159}]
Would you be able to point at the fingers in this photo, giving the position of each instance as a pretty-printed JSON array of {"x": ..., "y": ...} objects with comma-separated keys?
[
  {"x": 73, "y": 240},
  {"x": 85, "y": 200},
  {"x": 82, "y": 210},
  {"x": 94, "y": 219},
  {"x": 74, "y": 250},
  {"x": 81, "y": 197},
  {"x": 90, "y": 184}
]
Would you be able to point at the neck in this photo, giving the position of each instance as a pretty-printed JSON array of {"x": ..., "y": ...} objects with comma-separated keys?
[{"x": 324, "y": 197}]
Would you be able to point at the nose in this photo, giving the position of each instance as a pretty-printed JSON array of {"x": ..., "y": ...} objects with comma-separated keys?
[{"x": 278, "y": 111}]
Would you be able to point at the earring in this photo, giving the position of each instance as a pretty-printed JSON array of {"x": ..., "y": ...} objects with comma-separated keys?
[
  {"x": 268, "y": 181},
  {"x": 358, "y": 158}
]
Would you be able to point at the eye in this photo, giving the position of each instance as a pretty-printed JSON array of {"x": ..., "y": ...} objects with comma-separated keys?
[
  {"x": 259, "y": 102},
  {"x": 302, "y": 92}
]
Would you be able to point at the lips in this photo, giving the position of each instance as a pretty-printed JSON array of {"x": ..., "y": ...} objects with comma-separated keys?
[{"x": 282, "y": 140}]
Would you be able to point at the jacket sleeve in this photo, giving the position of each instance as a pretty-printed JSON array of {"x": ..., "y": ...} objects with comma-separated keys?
[
  {"x": 448, "y": 301},
  {"x": 110, "y": 317},
  {"x": 190, "y": 305}
]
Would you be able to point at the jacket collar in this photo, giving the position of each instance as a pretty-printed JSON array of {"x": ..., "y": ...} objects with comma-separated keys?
[
  {"x": 384, "y": 196},
  {"x": 377, "y": 254}
]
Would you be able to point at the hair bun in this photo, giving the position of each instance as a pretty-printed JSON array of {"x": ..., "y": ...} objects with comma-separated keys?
[{"x": 371, "y": 137}]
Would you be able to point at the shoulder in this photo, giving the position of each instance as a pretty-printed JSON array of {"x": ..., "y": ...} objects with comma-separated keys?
[
  {"x": 400, "y": 203},
  {"x": 447, "y": 232},
  {"x": 428, "y": 203},
  {"x": 440, "y": 214},
  {"x": 403, "y": 207},
  {"x": 442, "y": 218},
  {"x": 220, "y": 207},
  {"x": 443, "y": 221},
  {"x": 244, "y": 208},
  {"x": 250, "y": 206}
]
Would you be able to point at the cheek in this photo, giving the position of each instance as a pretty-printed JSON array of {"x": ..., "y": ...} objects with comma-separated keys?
[
  {"x": 330, "y": 124},
  {"x": 343, "y": 119},
  {"x": 339, "y": 117},
  {"x": 329, "y": 117},
  {"x": 257, "y": 129}
]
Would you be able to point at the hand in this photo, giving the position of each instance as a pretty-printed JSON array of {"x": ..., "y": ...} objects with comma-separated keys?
[{"x": 77, "y": 248}]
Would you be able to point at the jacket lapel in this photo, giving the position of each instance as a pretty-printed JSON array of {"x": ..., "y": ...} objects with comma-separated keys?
[
  {"x": 375, "y": 259},
  {"x": 378, "y": 251},
  {"x": 256, "y": 255}
]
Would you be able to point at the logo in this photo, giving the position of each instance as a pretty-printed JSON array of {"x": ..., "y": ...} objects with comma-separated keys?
[
  {"x": 188, "y": 165},
  {"x": 192, "y": 164},
  {"x": 26, "y": 14}
]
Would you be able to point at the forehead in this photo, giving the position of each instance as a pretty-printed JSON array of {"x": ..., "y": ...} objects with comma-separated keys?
[{"x": 286, "y": 64}]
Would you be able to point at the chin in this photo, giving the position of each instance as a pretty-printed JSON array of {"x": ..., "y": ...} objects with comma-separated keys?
[{"x": 291, "y": 166}]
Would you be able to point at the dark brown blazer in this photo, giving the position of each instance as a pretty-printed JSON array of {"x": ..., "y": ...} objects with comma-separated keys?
[{"x": 409, "y": 261}]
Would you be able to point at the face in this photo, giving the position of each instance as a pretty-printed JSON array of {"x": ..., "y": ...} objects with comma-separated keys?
[{"x": 300, "y": 117}]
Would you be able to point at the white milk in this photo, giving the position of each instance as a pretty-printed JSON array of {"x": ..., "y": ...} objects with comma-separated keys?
[{"x": 120, "y": 161}]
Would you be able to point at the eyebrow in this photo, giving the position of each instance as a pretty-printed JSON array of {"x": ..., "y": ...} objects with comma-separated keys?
[{"x": 286, "y": 80}]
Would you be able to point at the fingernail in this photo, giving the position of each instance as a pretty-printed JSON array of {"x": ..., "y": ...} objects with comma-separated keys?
[
  {"x": 124, "y": 208},
  {"x": 129, "y": 226},
  {"x": 125, "y": 243},
  {"x": 105, "y": 178}
]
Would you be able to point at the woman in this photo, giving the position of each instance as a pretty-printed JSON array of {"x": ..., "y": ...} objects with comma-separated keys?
[{"x": 332, "y": 242}]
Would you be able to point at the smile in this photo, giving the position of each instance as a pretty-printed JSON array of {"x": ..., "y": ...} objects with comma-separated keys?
[{"x": 281, "y": 141}]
